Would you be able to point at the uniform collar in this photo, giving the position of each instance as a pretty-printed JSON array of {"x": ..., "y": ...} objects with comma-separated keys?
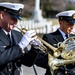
[
  {"x": 7, "y": 32},
  {"x": 63, "y": 34}
]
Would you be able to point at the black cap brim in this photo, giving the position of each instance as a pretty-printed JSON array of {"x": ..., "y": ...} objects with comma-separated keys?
[
  {"x": 72, "y": 21},
  {"x": 13, "y": 13},
  {"x": 67, "y": 19},
  {"x": 16, "y": 16}
]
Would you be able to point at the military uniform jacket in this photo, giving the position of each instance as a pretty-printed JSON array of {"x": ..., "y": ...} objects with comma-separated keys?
[{"x": 11, "y": 57}]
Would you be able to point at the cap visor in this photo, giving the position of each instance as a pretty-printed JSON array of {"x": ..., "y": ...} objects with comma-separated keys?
[
  {"x": 71, "y": 21},
  {"x": 16, "y": 16}
]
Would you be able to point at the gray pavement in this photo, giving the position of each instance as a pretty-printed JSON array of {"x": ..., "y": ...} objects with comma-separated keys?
[{"x": 30, "y": 70}]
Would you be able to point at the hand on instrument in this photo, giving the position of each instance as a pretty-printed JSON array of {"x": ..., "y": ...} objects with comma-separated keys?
[
  {"x": 27, "y": 38},
  {"x": 36, "y": 44}
]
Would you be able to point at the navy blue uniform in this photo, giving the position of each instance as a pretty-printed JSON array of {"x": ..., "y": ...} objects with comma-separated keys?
[
  {"x": 54, "y": 38},
  {"x": 11, "y": 56}
]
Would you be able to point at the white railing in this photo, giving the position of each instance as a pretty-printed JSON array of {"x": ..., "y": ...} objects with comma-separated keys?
[
  {"x": 39, "y": 27},
  {"x": 55, "y": 27}
]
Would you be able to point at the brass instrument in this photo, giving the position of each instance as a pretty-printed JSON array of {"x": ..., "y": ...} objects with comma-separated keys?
[
  {"x": 67, "y": 55},
  {"x": 56, "y": 51},
  {"x": 66, "y": 50},
  {"x": 23, "y": 30},
  {"x": 41, "y": 47}
]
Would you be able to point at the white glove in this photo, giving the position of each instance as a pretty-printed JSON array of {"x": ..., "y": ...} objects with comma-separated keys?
[
  {"x": 27, "y": 38},
  {"x": 36, "y": 43}
]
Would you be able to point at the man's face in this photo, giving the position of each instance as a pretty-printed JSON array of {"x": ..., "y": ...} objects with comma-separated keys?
[
  {"x": 66, "y": 26},
  {"x": 6, "y": 21}
]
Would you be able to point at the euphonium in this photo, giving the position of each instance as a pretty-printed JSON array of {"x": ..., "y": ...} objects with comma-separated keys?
[{"x": 67, "y": 55}]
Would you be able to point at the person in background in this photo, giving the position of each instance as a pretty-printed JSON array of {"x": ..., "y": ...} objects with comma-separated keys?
[
  {"x": 66, "y": 21},
  {"x": 13, "y": 45}
]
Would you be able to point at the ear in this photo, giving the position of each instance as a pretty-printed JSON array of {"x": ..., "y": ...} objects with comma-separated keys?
[
  {"x": 61, "y": 22},
  {"x": 1, "y": 14}
]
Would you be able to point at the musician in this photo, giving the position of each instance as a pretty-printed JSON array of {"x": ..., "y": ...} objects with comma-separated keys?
[
  {"x": 66, "y": 21},
  {"x": 13, "y": 48}
]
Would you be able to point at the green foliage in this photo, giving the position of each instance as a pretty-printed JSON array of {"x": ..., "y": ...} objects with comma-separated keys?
[
  {"x": 40, "y": 35},
  {"x": 71, "y": 8}
]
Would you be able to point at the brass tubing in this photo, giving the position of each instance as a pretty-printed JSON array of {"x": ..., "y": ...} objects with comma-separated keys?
[{"x": 44, "y": 42}]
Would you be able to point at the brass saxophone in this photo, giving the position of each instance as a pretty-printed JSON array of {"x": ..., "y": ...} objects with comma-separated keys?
[{"x": 66, "y": 50}]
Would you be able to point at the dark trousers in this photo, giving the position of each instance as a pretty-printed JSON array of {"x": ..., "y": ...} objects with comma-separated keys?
[{"x": 64, "y": 70}]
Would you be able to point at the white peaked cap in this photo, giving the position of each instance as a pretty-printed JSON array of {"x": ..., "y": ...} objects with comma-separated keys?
[
  {"x": 14, "y": 9},
  {"x": 13, "y": 6},
  {"x": 66, "y": 13}
]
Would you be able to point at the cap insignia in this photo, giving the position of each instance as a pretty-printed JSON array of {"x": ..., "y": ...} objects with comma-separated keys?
[
  {"x": 20, "y": 11},
  {"x": 4, "y": 9},
  {"x": 73, "y": 16},
  {"x": 61, "y": 18}
]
